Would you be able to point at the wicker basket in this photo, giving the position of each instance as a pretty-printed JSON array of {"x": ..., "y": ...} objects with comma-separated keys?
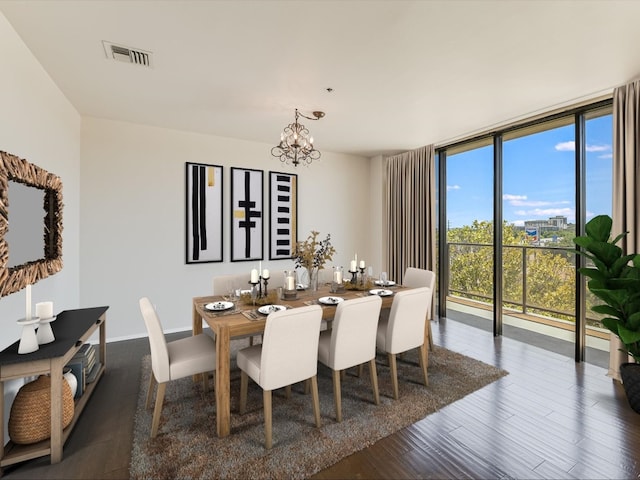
[{"x": 30, "y": 418}]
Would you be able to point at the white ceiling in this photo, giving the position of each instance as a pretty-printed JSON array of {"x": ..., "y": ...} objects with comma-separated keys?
[{"x": 404, "y": 73}]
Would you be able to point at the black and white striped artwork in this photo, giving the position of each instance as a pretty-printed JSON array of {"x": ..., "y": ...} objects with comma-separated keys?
[
  {"x": 283, "y": 214},
  {"x": 246, "y": 214},
  {"x": 204, "y": 189}
]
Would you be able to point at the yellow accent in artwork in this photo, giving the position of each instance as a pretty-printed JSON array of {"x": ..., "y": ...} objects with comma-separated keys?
[
  {"x": 238, "y": 214},
  {"x": 211, "y": 180}
]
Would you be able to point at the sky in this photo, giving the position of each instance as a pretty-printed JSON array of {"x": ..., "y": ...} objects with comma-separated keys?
[{"x": 538, "y": 177}]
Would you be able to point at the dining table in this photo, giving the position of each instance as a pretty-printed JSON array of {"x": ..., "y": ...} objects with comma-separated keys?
[{"x": 244, "y": 319}]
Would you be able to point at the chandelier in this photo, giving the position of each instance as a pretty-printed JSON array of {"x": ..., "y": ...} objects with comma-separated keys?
[{"x": 296, "y": 146}]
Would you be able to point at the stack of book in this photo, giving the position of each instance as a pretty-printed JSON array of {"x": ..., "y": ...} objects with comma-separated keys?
[{"x": 84, "y": 367}]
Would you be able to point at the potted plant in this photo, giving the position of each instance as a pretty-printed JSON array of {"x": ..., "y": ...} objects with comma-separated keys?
[{"x": 615, "y": 279}]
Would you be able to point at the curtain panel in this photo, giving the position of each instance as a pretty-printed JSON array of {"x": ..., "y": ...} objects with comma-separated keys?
[
  {"x": 409, "y": 214},
  {"x": 626, "y": 185}
]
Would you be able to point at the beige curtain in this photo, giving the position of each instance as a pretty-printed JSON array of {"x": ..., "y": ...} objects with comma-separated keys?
[
  {"x": 626, "y": 184},
  {"x": 409, "y": 216}
]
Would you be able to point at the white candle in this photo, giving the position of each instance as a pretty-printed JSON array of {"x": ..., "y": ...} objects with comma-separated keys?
[
  {"x": 353, "y": 266},
  {"x": 356, "y": 258},
  {"x": 44, "y": 310},
  {"x": 291, "y": 283},
  {"x": 254, "y": 276},
  {"x": 361, "y": 263},
  {"x": 337, "y": 276},
  {"x": 265, "y": 273},
  {"x": 28, "y": 313}
]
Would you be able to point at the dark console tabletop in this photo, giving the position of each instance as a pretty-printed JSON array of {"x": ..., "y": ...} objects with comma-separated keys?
[{"x": 67, "y": 328}]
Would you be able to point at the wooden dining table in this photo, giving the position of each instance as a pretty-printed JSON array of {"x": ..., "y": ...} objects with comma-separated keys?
[{"x": 245, "y": 320}]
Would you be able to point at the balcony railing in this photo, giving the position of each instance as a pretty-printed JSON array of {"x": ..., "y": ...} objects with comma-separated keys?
[{"x": 537, "y": 280}]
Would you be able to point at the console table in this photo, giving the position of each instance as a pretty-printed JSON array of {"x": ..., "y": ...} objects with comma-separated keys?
[{"x": 72, "y": 328}]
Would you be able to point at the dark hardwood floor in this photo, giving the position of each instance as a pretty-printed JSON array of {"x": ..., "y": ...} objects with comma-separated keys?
[{"x": 549, "y": 418}]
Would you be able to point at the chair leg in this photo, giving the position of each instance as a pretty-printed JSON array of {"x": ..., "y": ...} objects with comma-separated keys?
[
  {"x": 244, "y": 384},
  {"x": 394, "y": 374},
  {"x": 152, "y": 385},
  {"x": 360, "y": 370},
  {"x": 287, "y": 391},
  {"x": 158, "y": 409},
  {"x": 266, "y": 398},
  {"x": 424, "y": 361},
  {"x": 430, "y": 336},
  {"x": 306, "y": 387},
  {"x": 337, "y": 396},
  {"x": 316, "y": 400},
  {"x": 374, "y": 380}
]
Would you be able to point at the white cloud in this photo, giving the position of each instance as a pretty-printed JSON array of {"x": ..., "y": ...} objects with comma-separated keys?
[
  {"x": 598, "y": 148},
  {"x": 566, "y": 146},
  {"x": 521, "y": 213},
  {"x": 508, "y": 196},
  {"x": 606, "y": 156},
  {"x": 518, "y": 223},
  {"x": 453, "y": 187},
  {"x": 551, "y": 212}
]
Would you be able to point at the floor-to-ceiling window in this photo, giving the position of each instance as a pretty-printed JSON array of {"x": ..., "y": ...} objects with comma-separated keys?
[{"x": 540, "y": 182}]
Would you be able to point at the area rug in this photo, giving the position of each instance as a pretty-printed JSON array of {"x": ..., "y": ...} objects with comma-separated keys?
[{"x": 187, "y": 447}]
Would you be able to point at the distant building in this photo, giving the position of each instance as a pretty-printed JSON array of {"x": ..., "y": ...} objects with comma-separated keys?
[{"x": 559, "y": 222}]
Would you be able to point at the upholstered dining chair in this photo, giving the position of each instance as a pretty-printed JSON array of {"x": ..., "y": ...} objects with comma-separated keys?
[
  {"x": 351, "y": 342},
  {"x": 288, "y": 354},
  {"x": 419, "y": 277},
  {"x": 403, "y": 330},
  {"x": 173, "y": 360}
]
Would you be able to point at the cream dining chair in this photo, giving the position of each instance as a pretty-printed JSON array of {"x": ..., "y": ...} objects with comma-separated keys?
[
  {"x": 173, "y": 360},
  {"x": 288, "y": 354},
  {"x": 419, "y": 277},
  {"x": 351, "y": 342},
  {"x": 403, "y": 330}
]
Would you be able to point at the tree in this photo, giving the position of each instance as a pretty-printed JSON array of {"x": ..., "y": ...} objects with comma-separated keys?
[{"x": 550, "y": 274}]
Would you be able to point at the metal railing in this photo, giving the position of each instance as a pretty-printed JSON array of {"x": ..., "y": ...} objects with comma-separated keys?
[{"x": 537, "y": 280}]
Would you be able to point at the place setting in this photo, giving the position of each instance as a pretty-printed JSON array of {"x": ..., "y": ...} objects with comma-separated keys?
[{"x": 220, "y": 308}]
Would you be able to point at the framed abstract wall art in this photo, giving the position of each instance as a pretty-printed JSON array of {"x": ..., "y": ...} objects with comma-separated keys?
[
  {"x": 283, "y": 214},
  {"x": 204, "y": 190},
  {"x": 246, "y": 214}
]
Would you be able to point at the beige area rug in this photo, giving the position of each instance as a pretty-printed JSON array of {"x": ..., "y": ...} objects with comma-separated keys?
[{"x": 186, "y": 446}]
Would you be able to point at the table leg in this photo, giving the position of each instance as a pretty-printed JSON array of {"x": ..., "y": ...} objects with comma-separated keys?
[
  {"x": 223, "y": 382},
  {"x": 56, "y": 410},
  {"x": 196, "y": 328}
]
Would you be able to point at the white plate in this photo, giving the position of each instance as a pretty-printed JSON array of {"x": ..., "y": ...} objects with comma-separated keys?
[
  {"x": 301, "y": 286},
  {"x": 267, "y": 309},
  {"x": 218, "y": 306},
  {"x": 388, "y": 283},
  {"x": 381, "y": 292},
  {"x": 330, "y": 300}
]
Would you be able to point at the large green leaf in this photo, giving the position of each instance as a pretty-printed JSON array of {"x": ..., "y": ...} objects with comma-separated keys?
[
  {"x": 607, "y": 310},
  {"x": 599, "y": 228},
  {"x": 628, "y": 336},
  {"x": 605, "y": 252},
  {"x": 612, "y": 324},
  {"x": 615, "y": 298}
]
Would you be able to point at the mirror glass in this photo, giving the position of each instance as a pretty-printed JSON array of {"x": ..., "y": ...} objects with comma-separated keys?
[{"x": 26, "y": 233}]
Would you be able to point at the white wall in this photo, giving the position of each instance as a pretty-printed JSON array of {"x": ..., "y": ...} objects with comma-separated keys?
[
  {"x": 133, "y": 216},
  {"x": 39, "y": 125}
]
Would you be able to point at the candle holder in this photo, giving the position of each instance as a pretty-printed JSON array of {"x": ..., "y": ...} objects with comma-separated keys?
[
  {"x": 266, "y": 282},
  {"x": 28, "y": 340},
  {"x": 354, "y": 276},
  {"x": 289, "y": 291},
  {"x": 254, "y": 291},
  {"x": 362, "y": 276}
]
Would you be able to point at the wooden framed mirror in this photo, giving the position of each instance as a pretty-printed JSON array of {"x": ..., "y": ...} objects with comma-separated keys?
[{"x": 23, "y": 185}]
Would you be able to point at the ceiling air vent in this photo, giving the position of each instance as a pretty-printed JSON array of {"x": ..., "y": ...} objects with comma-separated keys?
[{"x": 124, "y": 54}]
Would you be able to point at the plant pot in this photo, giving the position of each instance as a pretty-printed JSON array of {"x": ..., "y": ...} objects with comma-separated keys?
[{"x": 630, "y": 373}]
